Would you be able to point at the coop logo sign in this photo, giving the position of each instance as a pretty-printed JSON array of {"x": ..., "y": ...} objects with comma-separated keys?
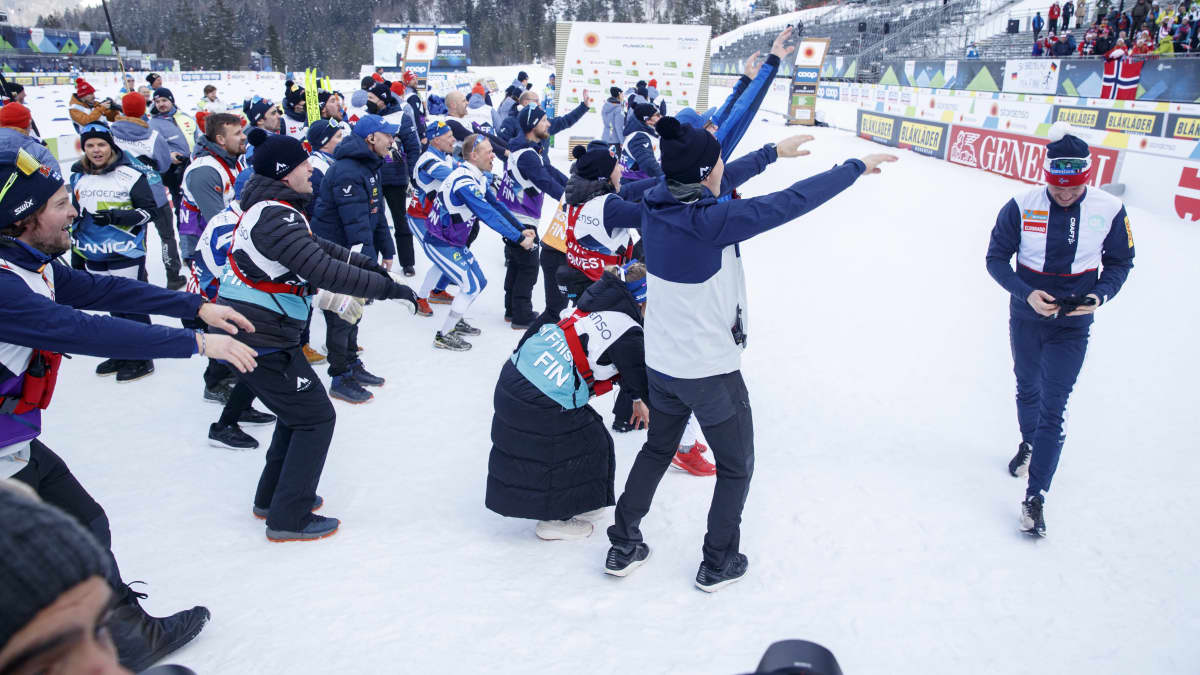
[
  {"x": 1018, "y": 156},
  {"x": 1144, "y": 123}
]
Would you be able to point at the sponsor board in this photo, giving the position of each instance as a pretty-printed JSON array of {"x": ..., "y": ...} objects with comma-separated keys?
[
  {"x": 832, "y": 93},
  {"x": 1017, "y": 155},
  {"x": 877, "y": 127},
  {"x": 1126, "y": 121},
  {"x": 1183, "y": 126},
  {"x": 806, "y": 80},
  {"x": 926, "y": 138}
]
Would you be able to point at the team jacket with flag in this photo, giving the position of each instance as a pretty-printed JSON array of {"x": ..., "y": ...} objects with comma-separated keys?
[{"x": 1061, "y": 251}]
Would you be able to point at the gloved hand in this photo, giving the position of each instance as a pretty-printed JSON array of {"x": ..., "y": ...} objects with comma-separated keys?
[
  {"x": 374, "y": 266},
  {"x": 347, "y": 307},
  {"x": 403, "y": 293},
  {"x": 121, "y": 217}
]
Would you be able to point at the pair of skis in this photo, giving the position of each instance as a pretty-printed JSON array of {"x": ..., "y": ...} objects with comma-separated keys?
[{"x": 311, "y": 84}]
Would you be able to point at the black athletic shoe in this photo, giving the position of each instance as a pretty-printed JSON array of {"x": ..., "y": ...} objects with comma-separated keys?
[
  {"x": 218, "y": 394},
  {"x": 109, "y": 367},
  {"x": 1032, "y": 521},
  {"x": 364, "y": 377},
  {"x": 231, "y": 437},
  {"x": 176, "y": 282},
  {"x": 134, "y": 370},
  {"x": 1019, "y": 466},
  {"x": 410, "y": 272},
  {"x": 622, "y": 426},
  {"x": 142, "y": 639},
  {"x": 254, "y": 418},
  {"x": 711, "y": 580},
  {"x": 620, "y": 563},
  {"x": 464, "y": 328}
]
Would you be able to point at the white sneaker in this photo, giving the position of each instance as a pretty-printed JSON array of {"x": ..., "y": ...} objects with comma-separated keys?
[
  {"x": 597, "y": 514},
  {"x": 552, "y": 530}
]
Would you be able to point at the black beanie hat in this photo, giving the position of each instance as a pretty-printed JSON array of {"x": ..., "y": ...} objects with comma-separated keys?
[
  {"x": 529, "y": 117},
  {"x": 30, "y": 185},
  {"x": 383, "y": 90},
  {"x": 644, "y": 111},
  {"x": 275, "y": 155},
  {"x": 522, "y": 76},
  {"x": 614, "y": 92},
  {"x": 688, "y": 154},
  {"x": 163, "y": 92},
  {"x": 43, "y": 554},
  {"x": 294, "y": 95},
  {"x": 595, "y": 161},
  {"x": 96, "y": 130},
  {"x": 367, "y": 83}
]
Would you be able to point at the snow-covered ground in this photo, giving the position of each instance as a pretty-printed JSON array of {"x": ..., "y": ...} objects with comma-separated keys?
[{"x": 881, "y": 522}]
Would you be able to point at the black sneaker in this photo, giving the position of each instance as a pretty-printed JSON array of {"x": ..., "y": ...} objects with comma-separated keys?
[
  {"x": 1032, "y": 521},
  {"x": 711, "y": 580},
  {"x": 218, "y": 394},
  {"x": 621, "y": 563},
  {"x": 364, "y": 377},
  {"x": 410, "y": 272},
  {"x": 134, "y": 370},
  {"x": 176, "y": 282},
  {"x": 1019, "y": 466},
  {"x": 450, "y": 341},
  {"x": 109, "y": 367},
  {"x": 142, "y": 639},
  {"x": 255, "y": 418},
  {"x": 622, "y": 426},
  {"x": 464, "y": 328},
  {"x": 231, "y": 437}
]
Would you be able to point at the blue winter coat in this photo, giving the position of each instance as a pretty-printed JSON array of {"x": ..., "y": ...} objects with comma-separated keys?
[
  {"x": 400, "y": 165},
  {"x": 12, "y": 140},
  {"x": 139, "y": 141},
  {"x": 640, "y": 149},
  {"x": 349, "y": 208},
  {"x": 166, "y": 125}
]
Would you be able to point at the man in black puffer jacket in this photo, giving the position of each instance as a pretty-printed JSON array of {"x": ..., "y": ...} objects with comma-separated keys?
[
  {"x": 275, "y": 264},
  {"x": 552, "y": 456}
]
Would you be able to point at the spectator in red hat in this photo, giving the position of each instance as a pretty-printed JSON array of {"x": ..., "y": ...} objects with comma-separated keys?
[
  {"x": 15, "y": 125},
  {"x": 83, "y": 106}
]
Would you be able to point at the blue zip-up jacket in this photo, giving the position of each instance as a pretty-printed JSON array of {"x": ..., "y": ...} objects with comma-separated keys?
[
  {"x": 168, "y": 128},
  {"x": 640, "y": 149},
  {"x": 137, "y": 138},
  {"x": 12, "y": 140},
  {"x": 349, "y": 209},
  {"x": 318, "y": 173},
  {"x": 694, "y": 265},
  {"x": 1086, "y": 248},
  {"x": 432, "y": 172},
  {"x": 734, "y": 116},
  {"x": 397, "y": 168}
]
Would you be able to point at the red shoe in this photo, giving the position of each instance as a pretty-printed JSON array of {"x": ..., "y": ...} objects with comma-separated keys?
[
  {"x": 693, "y": 462},
  {"x": 441, "y": 298},
  {"x": 423, "y": 307}
]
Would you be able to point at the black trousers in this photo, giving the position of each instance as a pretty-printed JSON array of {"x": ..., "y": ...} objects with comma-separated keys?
[
  {"x": 286, "y": 383},
  {"x": 722, "y": 407},
  {"x": 164, "y": 223},
  {"x": 50, "y": 478},
  {"x": 396, "y": 197},
  {"x": 341, "y": 341},
  {"x": 240, "y": 397},
  {"x": 550, "y": 258},
  {"x": 519, "y": 281}
]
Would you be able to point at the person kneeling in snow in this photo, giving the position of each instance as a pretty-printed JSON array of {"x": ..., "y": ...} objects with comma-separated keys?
[{"x": 552, "y": 456}]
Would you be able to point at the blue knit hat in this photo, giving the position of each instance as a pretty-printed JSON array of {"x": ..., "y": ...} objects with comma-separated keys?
[
  {"x": 275, "y": 155},
  {"x": 320, "y": 133},
  {"x": 437, "y": 128},
  {"x": 529, "y": 116},
  {"x": 1068, "y": 158},
  {"x": 25, "y": 185},
  {"x": 692, "y": 118},
  {"x": 255, "y": 109}
]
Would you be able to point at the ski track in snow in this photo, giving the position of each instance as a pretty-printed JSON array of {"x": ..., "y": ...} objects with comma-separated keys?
[{"x": 881, "y": 522}]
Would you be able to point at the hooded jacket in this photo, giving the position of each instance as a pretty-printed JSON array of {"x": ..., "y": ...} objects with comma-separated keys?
[
  {"x": 612, "y": 115},
  {"x": 349, "y": 209},
  {"x": 135, "y": 136},
  {"x": 694, "y": 264},
  {"x": 638, "y": 157},
  {"x": 83, "y": 114},
  {"x": 205, "y": 184},
  {"x": 12, "y": 140},
  {"x": 169, "y": 125},
  {"x": 283, "y": 237}
]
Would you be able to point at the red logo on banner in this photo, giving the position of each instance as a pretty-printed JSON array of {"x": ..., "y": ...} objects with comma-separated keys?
[
  {"x": 1018, "y": 156},
  {"x": 591, "y": 40},
  {"x": 809, "y": 52},
  {"x": 422, "y": 46},
  {"x": 1188, "y": 207}
]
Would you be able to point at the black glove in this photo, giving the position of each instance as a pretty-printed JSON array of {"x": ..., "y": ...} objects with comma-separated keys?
[
  {"x": 372, "y": 266},
  {"x": 404, "y": 294},
  {"x": 1070, "y": 303},
  {"x": 121, "y": 217}
]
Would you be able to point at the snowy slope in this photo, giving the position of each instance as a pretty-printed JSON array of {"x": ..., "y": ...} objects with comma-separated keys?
[{"x": 881, "y": 522}]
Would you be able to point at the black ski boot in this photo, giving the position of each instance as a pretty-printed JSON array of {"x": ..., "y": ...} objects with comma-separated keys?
[
  {"x": 142, "y": 639},
  {"x": 1019, "y": 466}
]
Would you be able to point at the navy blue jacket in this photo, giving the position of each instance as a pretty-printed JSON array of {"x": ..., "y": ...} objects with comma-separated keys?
[
  {"x": 640, "y": 149},
  {"x": 398, "y": 167},
  {"x": 30, "y": 320},
  {"x": 349, "y": 209},
  {"x": 537, "y": 168}
]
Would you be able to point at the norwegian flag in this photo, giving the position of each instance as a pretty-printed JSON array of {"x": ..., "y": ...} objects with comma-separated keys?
[{"x": 1121, "y": 75}]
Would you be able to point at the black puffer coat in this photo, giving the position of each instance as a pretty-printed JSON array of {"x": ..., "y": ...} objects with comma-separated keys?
[{"x": 548, "y": 463}]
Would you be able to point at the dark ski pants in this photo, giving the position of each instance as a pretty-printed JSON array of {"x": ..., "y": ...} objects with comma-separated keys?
[
  {"x": 550, "y": 258},
  {"x": 50, "y": 478},
  {"x": 240, "y": 397},
  {"x": 133, "y": 268},
  {"x": 286, "y": 383},
  {"x": 164, "y": 223},
  {"x": 341, "y": 341},
  {"x": 1046, "y": 360},
  {"x": 722, "y": 407},
  {"x": 519, "y": 281},
  {"x": 396, "y": 197}
]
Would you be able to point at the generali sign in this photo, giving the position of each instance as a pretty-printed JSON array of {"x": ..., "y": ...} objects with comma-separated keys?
[{"x": 1018, "y": 156}]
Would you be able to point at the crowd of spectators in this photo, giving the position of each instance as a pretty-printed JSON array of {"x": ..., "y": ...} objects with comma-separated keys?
[{"x": 1145, "y": 28}]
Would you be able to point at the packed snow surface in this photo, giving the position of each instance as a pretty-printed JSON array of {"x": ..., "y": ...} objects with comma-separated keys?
[{"x": 881, "y": 521}]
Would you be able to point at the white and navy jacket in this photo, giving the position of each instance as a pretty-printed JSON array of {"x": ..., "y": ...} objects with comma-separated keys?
[{"x": 1085, "y": 248}]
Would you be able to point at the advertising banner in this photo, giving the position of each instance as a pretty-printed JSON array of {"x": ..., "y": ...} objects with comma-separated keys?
[
  {"x": 444, "y": 48},
  {"x": 1127, "y": 121},
  {"x": 602, "y": 55},
  {"x": 926, "y": 138},
  {"x": 1183, "y": 126},
  {"x": 1018, "y": 156},
  {"x": 877, "y": 127},
  {"x": 1031, "y": 76},
  {"x": 802, "y": 102}
]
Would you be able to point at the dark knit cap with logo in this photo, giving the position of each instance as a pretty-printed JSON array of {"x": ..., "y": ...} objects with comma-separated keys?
[
  {"x": 529, "y": 117},
  {"x": 688, "y": 154},
  {"x": 644, "y": 111},
  {"x": 595, "y": 161},
  {"x": 163, "y": 92},
  {"x": 30, "y": 185},
  {"x": 275, "y": 155},
  {"x": 43, "y": 554},
  {"x": 96, "y": 130}
]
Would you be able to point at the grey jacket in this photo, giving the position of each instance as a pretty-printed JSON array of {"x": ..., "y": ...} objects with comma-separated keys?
[{"x": 613, "y": 117}]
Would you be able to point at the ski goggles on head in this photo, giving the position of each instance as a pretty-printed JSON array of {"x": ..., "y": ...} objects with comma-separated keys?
[
  {"x": 436, "y": 129},
  {"x": 1067, "y": 171},
  {"x": 636, "y": 288}
]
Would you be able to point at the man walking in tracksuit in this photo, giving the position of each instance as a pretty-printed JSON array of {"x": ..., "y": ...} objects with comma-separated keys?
[
  {"x": 696, "y": 280},
  {"x": 1074, "y": 249}
]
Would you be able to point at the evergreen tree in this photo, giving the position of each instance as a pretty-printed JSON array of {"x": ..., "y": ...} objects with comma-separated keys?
[{"x": 274, "y": 48}]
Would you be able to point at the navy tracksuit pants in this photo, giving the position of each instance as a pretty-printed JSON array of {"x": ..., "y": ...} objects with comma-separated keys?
[{"x": 1046, "y": 360}]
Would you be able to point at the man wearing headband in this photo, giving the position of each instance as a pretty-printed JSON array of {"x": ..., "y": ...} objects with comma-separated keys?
[{"x": 1074, "y": 249}]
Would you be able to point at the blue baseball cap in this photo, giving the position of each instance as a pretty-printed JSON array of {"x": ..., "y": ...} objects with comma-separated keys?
[
  {"x": 369, "y": 124},
  {"x": 435, "y": 129}
]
